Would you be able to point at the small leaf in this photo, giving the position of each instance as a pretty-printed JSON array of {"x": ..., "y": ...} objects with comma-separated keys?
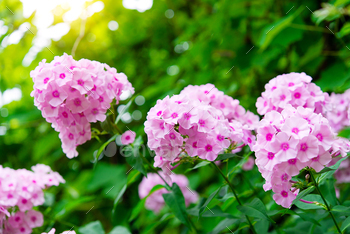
[
  {"x": 329, "y": 171},
  {"x": 92, "y": 228},
  {"x": 312, "y": 198},
  {"x": 122, "y": 112},
  {"x": 303, "y": 193},
  {"x": 120, "y": 230},
  {"x": 328, "y": 191},
  {"x": 206, "y": 203},
  {"x": 176, "y": 202},
  {"x": 345, "y": 30},
  {"x": 132, "y": 176},
  {"x": 272, "y": 30},
  {"x": 201, "y": 164},
  {"x": 304, "y": 216},
  {"x": 103, "y": 146},
  {"x": 343, "y": 210},
  {"x": 120, "y": 194},
  {"x": 225, "y": 156},
  {"x": 137, "y": 163},
  {"x": 255, "y": 209},
  {"x": 346, "y": 224},
  {"x": 224, "y": 225}
]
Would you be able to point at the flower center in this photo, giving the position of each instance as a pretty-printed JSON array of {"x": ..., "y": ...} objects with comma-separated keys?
[
  {"x": 270, "y": 155},
  {"x": 94, "y": 111},
  {"x": 319, "y": 137},
  {"x": 159, "y": 113},
  {"x": 33, "y": 218},
  {"x": 297, "y": 95},
  {"x": 292, "y": 161},
  {"x": 187, "y": 116},
  {"x": 201, "y": 123},
  {"x": 172, "y": 136},
  {"x": 291, "y": 84},
  {"x": 303, "y": 147},
  {"x": 194, "y": 144},
  {"x": 127, "y": 137},
  {"x": 65, "y": 115},
  {"x": 46, "y": 80},
  {"x": 55, "y": 93},
  {"x": 208, "y": 148},
  {"x": 295, "y": 130},
  {"x": 80, "y": 82},
  {"x": 282, "y": 97},
  {"x": 100, "y": 99},
  {"x": 284, "y": 146},
  {"x": 222, "y": 105},
  {"x": 284, "y": 177},
  {"x": 174, "y": 115},
  {"x": 220, "y": 137},
  {"x": 268, "y": 137},
  {"x": 284, "y": 193},
  {"x": 62, "y": 75},
  {"x": 77, "y": 102},
  {"x": 24, "y": 201},
  {"x": 71, "y": 136}
]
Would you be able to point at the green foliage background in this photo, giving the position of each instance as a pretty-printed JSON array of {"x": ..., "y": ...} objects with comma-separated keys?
[{"x": 237, "y": 45}]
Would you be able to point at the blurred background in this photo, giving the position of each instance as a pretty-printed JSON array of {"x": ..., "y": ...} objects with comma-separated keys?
[{"x": 162, "y": 46}]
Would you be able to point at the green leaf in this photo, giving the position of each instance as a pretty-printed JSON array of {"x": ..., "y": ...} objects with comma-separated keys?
[
  {"x": 304, "y": 216},
  {"x": 137, "y": 163},
  {"x": 272, "y": 30},
  {"x": 120, "y": 230},
  {"x": 201, "y": 164},
  {"x": 224, "y": 225},
  {"x": 120, "y": 194},
  {"x": 329, "y": 171},
  {"x": 343, "y": 210},
  {"x": 303, "y": 193},
  {"x": 103, "y": 146},
  {"x": 110, "y": 178},
  {"x": 141, "y": 204},
  {"x": 345, "y": 224},
  {"x": 345, "y": 30},
  {"x": 328, "y": 191},
  {"x": 255, "y": 209},
  {"x": 122, "y": 112},
  {"x": 206, "y": 203},
  {"x": 132, "y": 177},
  {"x": 312, "y": 198},
  {"x": 327, "y": 81},
  {"x": 176, "y": 202},
  {"x": 92, "y": 228},
  {"x": 341, "y": 2},
  {"x": 225, "y": 156}
]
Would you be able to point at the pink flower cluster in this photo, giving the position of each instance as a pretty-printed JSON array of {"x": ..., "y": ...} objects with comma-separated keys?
[
  {"x": 194, "y": 124},
  {"x": 71, "y": 94},
  {"x": 339, "y": 114},
  {"x": 295, "y": 89},
  {"x": 155, "y": 201},
  {"x": 22, "y": 222},
  {"x": 289, "y": 141},
  {"x": 52, "y": 231},
  {"x": 24, "y": 189}
]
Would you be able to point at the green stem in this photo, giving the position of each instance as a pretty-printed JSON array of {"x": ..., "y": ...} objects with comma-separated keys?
[
  {"x": 234, "y": 193},
  {"x": 325, "y": 202},
  {"x": 154, "y": 170}
]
